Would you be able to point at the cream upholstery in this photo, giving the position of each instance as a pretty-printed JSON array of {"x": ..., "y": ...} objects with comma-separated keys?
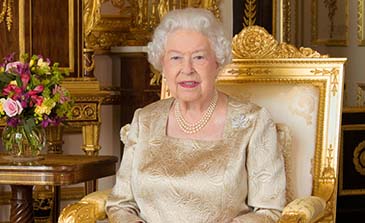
[
  {"x": 298, "y": 109},
  {"x": 303, "y": 92}
]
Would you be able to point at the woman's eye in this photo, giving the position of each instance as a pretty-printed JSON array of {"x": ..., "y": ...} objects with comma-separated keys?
[
  {"x": 199, "y": 57},
  {"x": 175, "y": 57}
]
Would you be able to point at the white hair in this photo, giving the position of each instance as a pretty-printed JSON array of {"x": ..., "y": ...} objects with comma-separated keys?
[{"x": 197, "y": 19}]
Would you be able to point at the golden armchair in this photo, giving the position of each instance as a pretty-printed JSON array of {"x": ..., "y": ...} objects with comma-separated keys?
[{"x": 303, "y": 91}]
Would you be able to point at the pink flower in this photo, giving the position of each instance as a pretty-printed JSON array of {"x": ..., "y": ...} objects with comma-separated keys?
[
  {"x": 12, "y": 107},
  {"x": 60, "y": 90},
  {"x": 13, "y": 67},
  {"x": 38, "y": 100},
  {"x": 39, "y": 89},
  {"x": 11, "y": 89},
  {"x": 25, "y": 79}
]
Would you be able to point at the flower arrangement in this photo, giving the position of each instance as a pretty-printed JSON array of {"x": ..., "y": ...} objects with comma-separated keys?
[{"x": 31, "y": 94}]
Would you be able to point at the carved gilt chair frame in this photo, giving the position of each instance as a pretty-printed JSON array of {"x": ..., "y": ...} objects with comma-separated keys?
[{"x": 262, "y": 64}]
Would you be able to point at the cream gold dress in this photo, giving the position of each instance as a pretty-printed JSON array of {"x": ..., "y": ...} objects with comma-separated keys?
[{"x": 169, "y": 180}]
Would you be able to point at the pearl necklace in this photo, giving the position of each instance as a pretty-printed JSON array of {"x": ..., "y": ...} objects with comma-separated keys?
[{"x": 189, "y": 128}]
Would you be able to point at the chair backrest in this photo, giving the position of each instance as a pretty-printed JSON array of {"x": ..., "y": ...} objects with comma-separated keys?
[{"x": 303, "y": 92}]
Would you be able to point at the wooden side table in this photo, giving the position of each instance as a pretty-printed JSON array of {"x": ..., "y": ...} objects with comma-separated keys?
[{"x": 55, "y": 170}]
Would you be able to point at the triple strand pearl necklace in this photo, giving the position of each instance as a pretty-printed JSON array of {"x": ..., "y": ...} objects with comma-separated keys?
[{"x": 189, "y": 128}]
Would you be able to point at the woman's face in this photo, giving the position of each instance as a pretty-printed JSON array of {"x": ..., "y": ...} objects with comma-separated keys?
[{"x": 189, "y": 65}]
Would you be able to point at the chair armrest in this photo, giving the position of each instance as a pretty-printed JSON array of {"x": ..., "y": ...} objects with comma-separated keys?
[
  {"x": 304, "y": 210},
  {"x": 89, "y": 209}
]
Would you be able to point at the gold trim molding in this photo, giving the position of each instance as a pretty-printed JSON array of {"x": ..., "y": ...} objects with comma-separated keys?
[
  {"x": 6, "y": 13},
  {"x": 334, "y": 72},
  {"x": 249, "y": 15},
  {"x": 360, "y": 23}
]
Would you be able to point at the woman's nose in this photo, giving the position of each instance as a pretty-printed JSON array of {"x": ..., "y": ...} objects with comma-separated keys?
[{"x": 187, "y": 66}]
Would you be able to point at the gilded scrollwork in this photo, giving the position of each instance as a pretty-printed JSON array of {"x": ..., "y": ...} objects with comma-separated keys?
[
  {"x": 360, "y": 95},
  {"x": 334, "y": 77},
  {"x": 102, "y": 32},
  {"x": 360, "y": 22},
  {"x": 92, "y": 14},
  {"x": 163, "y": 7},
  {"x": 119, "y": 3},
  {"x": 248, "y": 71},
  {"x": 6, "y": 13},
  {"x": 211, "y": 5},
  {"x": 89, "y": 63},
  {"x": 135, "y": 22},
  {"x": 359, "y": 158},
  {"x": 255, "y": 42},
  {"x": 327, "y": 181},
  {"x": 84, "y": 111},
  {"x": 249, "y": 17}
]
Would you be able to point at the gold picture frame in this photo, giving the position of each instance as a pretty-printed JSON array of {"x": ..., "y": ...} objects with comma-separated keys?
[
  {"x": 360, "y": 22},
  {"x": 289, "y": 22},
  {"x": 71, "y": 32},
  {"x": 330, "y": 28}
]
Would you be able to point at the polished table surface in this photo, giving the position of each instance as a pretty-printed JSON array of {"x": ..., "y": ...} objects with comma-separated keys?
[{"x": 55, "y": 170}]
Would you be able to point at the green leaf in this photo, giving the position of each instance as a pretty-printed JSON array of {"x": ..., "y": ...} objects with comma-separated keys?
[
  {"x": 7, "y": 77},
  {"x": 19, "y": 81}
]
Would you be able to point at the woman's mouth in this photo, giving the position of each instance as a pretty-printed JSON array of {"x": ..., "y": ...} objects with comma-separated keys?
[{"x": 188, "y": 84}]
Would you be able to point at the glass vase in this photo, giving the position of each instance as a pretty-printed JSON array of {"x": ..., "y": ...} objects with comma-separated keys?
[{"x": 22, "y": 145}]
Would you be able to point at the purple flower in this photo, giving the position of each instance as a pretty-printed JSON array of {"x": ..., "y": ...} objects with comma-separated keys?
[
  {"x": 13, "y": 67},
  {"x": 9, "y": 58},
  {"x": 13, "y": 121},
  {"x": 17, "y": 68},
  {"x": 45, "y": 123}
]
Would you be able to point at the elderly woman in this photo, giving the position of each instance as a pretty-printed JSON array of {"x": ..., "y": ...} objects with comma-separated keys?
[{"x": 200, "y": 156}]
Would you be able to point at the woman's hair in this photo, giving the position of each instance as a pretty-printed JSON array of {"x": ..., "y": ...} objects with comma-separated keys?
[{"x": 197, "y": 19}]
